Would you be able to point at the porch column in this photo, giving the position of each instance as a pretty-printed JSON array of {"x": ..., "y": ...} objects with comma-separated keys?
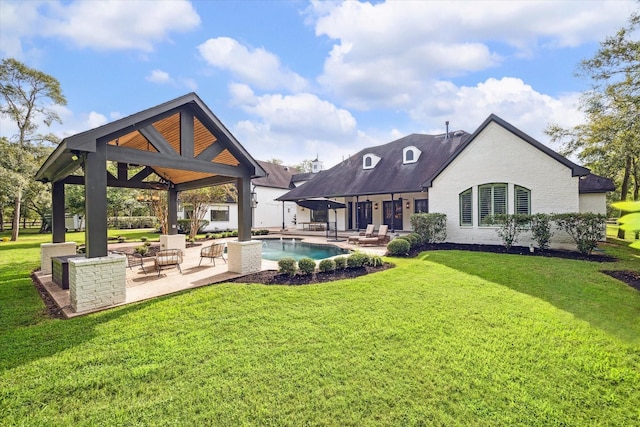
[
  {"x": 57, "y": 212},
  {"x": 95, "y": 205},
  {"x": 244, "y": 208},
  {"x": 172, "y": 213}
]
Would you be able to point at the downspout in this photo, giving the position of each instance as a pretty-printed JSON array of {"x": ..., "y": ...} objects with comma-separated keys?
[{"x": 283, "y": 215}]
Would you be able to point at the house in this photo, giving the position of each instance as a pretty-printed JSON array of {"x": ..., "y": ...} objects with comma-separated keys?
[
  {"x": 266, "y": 211},
  {"x": 496, "y": 169}
]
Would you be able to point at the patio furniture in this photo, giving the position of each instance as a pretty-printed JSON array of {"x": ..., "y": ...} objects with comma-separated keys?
[
  {"x": 168, "y": 258},
  {"x": 380, "y": 239},
  {"x": 60, "y": 270},
  {"x": 366, "y": 233},
  {"x": 214, "y": 251}
]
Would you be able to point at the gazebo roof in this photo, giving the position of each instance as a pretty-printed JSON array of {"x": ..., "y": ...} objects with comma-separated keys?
[{"x": 181, "y": 141}]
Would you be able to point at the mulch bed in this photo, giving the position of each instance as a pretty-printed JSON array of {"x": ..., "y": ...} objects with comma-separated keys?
[
  {"x": 272, "y": 277},
  {"x": 631, "y": 278}
]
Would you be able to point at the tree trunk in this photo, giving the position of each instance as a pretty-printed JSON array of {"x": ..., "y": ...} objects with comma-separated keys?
[
  {"x": 625, "y": 188},
  {"x": 2, "y": 218},
  {"x": 16, "y": 218}
]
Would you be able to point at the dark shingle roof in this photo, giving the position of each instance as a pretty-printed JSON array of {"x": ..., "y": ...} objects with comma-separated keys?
[
  {"x": 390, "y": 175},
  {"x": 278, "y": 176},
  {"x": 593, "y": 183}
]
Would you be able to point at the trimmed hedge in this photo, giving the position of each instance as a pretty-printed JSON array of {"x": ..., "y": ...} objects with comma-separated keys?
[
  {"x": 431, "y": 226},
  {"x": 287, "y": 266},
  {"x": 341, "y": 262},
  {"x": 306, "y": 265},
  {"x": 327, "y": 265},
  {"x": 357, "y": 259},
  {"x": 398, "y": 247}
]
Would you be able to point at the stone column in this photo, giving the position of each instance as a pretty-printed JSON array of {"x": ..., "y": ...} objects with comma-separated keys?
[
  {"x": 50, "y": 250},
  {"x": 245, "y": 257},
  {"x": 97, "y": 282}
]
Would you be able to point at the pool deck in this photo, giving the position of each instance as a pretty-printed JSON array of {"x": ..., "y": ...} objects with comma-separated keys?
[{"x": 142, "y": 286}]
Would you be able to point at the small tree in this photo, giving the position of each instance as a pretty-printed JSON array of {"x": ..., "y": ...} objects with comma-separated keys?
[
  {"x": 586, "y": 229},
  {"x": 541, "y": 230},
  {"x": 509, "y": 227},
  {"x": 432, "y": 227},
  {"x": 196, "y": 203}
]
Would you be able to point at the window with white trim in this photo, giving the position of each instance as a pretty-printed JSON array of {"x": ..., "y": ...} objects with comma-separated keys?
[
  {"x": 492, "y": 200},
  {"x": 466, "y": 208},
  {"x": 220, "y": 213},
  {"x": 369, "y": 161},
  {"x": 522, "y": 200},
  {"x": 410, "y": 154}
]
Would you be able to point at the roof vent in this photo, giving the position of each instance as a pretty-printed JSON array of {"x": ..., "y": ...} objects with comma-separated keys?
[{"x": 447, "y": 126}]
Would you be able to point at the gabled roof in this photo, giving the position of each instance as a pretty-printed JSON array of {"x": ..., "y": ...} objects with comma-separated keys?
[
  {"x": 390, "y": 175},
  {"x": 181, "y": 141},
  {"x": 576, "y": 170},
  {"x": 593, "y": 183},
  {"x": 278, "y": 176}
]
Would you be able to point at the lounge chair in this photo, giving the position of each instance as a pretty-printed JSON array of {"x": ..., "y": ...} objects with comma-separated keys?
[
  {"x": 168, "y": 258},
  {"x": 380, "y": 239},
  {"x": 367, "y": 233},
  {"x": 214, "y": 251}
]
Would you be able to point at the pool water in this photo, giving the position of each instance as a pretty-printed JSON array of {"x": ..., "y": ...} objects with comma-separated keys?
[{"x": 275, "y": 249}]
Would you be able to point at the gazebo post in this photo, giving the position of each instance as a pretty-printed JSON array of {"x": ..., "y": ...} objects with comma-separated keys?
[
  {"x": 58, "y": 227},
  {"x": 172, "y": 214},
  {"x": 244, "y": 208},
  {"x": 245, "y": 255},
  {"x": 95, "y": 204}
]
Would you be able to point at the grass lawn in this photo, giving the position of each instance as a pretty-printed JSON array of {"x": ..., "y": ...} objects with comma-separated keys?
[{"x": 448, "y": 338}]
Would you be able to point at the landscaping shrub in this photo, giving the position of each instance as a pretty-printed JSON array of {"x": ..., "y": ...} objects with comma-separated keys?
[
  {"x": 432, "y": 227},
  {"x": 327, "y": 265},
  {"x": 262, "y": 232},
  {"x": 509, "y": 227},
  {"x": 398, "y": 247},
  {"x": 357, "y": 259},
  {"x": 306, "y": 265},
  {"x": 412, "y": 239},
  {"x": 141, "y": 250},
  {"x": 417, "y": 237},
  {"x": 185, "y": 225},
  {"x": 144, "y": 239},
  {"x": 541, "y": 230},
  {"x": 586, "y": 229},
  {"x": 127, "y": 222},
  {"x": 341, "y": 262},
  {"x": 407, "y": 239},
  {"x": 375, "y": 260},
  {"x": 287, "y": 266}
]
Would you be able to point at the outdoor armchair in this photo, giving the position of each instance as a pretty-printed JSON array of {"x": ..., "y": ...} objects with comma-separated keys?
[
  {"x": 168, "y": 258},
  {"x": 214, "y": 251}
]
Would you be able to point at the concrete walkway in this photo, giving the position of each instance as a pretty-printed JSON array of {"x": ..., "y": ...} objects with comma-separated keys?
[{"x": 142, "y": 286}]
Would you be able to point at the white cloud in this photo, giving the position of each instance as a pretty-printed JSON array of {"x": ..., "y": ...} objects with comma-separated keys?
[
  {"x": 98, "y": 24},
  {"x": 159, "y": 76},
  {"x": 294, "y": 127},
  {"x": 388, "y": 54},
  {"x": 510, "y": 98},
  {"x": 255, "y": 66}
]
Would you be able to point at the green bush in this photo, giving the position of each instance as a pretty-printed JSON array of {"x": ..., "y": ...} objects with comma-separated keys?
[
  {"x": 405, "y": 238},
  {"x": 142, "y": 250},
  {"x": 327, "y": 265},
  {"x": 509, "y": 227},
  {"x": 398, "y": 247},
  {"x": 411, "y": 238},
  {"x": 586, "y": 229},
  {"x": 128, "y": 222},
  {"x": 541, "y": 230},
  {"x": 341, "y": 262},
  {"x": 306, "y": 265},
  {"x": 263, "y": 232},
  {"x": 432, "y": 227},
  {"x": 287, "y": 266},
  {"x": 147, "y": 244},
  {"x": 185, "y": 225},
  {"x": 144, "y": 239},
  {"x": 357, "y": 259},
  {"x": 417, "y": 237},
  {"x": 375, "y": 260}
]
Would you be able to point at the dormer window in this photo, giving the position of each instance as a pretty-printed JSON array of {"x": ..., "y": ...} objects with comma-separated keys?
[
  {"x": 410, "y": 155},
  {"x": 369, "y": 161}
]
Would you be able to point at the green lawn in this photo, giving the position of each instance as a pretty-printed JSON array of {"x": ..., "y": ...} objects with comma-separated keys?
[{"x": 449, "y": 338}]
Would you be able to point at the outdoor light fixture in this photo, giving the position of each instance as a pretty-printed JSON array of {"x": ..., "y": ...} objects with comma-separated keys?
[
  {"x": 375, "y": 205},
  {"x": 408, "y": 205}
]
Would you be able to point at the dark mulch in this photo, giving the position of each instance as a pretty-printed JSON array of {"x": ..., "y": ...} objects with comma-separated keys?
[
  {"x": 631, "y": 278},
  {"x": 272, "y": 277},
  {"x": 51, "y": 308},
  {"x": 516, "y": 250}
]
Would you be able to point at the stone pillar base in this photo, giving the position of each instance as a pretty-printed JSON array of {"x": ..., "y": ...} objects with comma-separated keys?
[
  {"x": 50, "y": 250},
  {"x": 244, "y": 257},
  {"x": 97, "y": 282},
  {"x": 173, "y": 241}
]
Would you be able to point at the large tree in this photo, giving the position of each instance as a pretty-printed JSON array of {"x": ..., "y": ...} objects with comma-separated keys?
[
  {"x": 609, "y": 142},
  {"x": 196, "y": 202},
  {"x": 29, "y": 97}
]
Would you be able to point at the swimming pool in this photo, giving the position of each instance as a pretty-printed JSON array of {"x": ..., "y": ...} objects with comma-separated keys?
[{"x": 275, "y": 249}]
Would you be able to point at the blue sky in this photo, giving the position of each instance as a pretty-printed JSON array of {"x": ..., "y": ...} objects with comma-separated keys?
[{"x": 293, "y": 80}]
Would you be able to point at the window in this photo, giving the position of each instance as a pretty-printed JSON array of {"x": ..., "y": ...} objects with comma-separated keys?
[
  {"x": 522, "y": 200},
  {"x": 466, "y": 210},
  {"x": 369, "y": 161},
  {"x": 410, "y": 155},
  {"x": 492, "y": 200},
  {"x": 421, "y": 205},
  {"x": 220, "y": 213}
]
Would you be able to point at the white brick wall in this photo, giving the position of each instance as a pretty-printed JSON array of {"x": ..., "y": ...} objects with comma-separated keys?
[
  {"x": 498, "y": 156},
  {"x": 51, "y": 250},
  {"x": 97, "y": 282},
  {"x": 596, "y": 203},
  {"x": 244, "y": 257}
]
